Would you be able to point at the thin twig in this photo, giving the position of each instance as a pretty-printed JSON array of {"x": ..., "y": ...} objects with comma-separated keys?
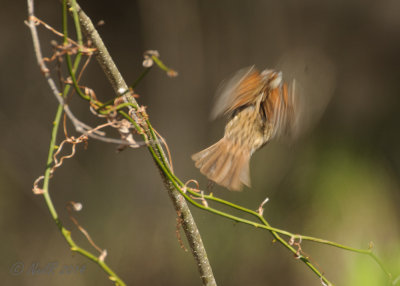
[
  {"x": 46, "y": 177},
  {"x": 118, "y": 83},
  {"x": 169, "y": 179},
  {"x": 79, "y": 126},
  {"x": 177, "y": 189},
  {"x": 77, "y": 207},
  {"x": 167, "y": 148}
]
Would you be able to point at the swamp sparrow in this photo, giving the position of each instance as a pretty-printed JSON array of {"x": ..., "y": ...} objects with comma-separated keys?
[{"x": 261, "y": 107}]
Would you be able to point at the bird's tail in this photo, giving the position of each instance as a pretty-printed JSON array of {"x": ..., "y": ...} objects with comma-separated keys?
[{"x": 225, "y": 163}]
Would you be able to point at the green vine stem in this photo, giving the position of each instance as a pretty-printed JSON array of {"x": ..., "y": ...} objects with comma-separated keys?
[
  {"x": 265, "y": 225},
  {"x": 52, "y": 148},
  {"x": 163, "y": 164},
  {"x": 158, "y": 155},
  {"x": 177, "y": 188},
  {"x": 120, "y": 87}
]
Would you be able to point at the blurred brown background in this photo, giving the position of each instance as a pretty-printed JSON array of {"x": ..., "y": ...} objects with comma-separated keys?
[{"x": 339, "y": 182}]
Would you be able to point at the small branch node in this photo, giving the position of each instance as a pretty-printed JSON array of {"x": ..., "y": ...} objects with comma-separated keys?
[
  {"x": 292, "y": 241},
  {"x": 261, "y": 207},
  {"x": 36, "y": 190},
  {"x": 103, "y": 255},
  {"x": 147, "y": 62},
  {"x": 371, "y": 245},
  {"x": 172, "y": 73},
  {"x": 203, "y": 200},
  {"x": 76, "y": 206},
  {"x": 191, "y": 181},
  {"x": 94, "y": 112}
]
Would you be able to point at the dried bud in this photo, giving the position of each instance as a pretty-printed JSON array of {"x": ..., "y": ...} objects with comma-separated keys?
[{"x": 148, "y": 62}]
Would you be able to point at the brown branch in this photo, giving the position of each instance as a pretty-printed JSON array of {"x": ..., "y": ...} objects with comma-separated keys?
[{"x": 118, "y": 84}]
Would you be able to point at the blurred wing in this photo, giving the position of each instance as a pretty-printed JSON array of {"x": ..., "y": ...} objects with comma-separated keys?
[
  {"x": 239, "y": 91},
  {"x": 277, "y": 108},
  {"x": 283, "y": 116},
  {"x": 311, "y": 92}
]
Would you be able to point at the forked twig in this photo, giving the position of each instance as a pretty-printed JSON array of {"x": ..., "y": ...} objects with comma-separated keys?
[
  {"x": 73, "y": 206},
  {"x": 119, "y": 84},
  {"x": 177, "y": 190}
]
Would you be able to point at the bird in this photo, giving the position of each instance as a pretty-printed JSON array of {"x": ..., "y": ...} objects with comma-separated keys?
[{"x": 260, "y": 106}]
